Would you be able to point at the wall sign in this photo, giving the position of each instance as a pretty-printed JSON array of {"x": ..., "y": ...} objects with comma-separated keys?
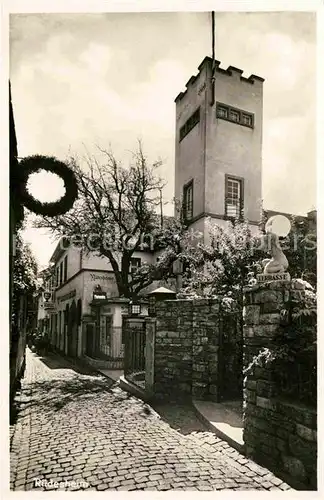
[
  {"x": 202, "y": 88},
  {"x": 98, "y": 293},
  {"x": 99, "y": 296},
  {"x": 95, "y": 277},
  {"x": 273, "y": 277},
  {"x": 49, "y": 306}
]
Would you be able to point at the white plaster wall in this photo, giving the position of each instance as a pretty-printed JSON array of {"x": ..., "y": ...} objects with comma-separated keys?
[
  {"x": 189, "y": 152},
  {"x": 226, "y": 148}
]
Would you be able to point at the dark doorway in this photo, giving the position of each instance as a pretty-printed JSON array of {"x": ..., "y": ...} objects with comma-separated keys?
[
  {"x": 90, "y": 339},
  {"x": 230, "y": 357},
  {"x": 73, "y": 331}
]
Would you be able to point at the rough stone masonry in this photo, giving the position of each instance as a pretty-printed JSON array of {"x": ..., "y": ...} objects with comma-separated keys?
[{"x": 279, "y": 434}]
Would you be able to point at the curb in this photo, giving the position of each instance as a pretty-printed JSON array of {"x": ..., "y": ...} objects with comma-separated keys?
[
  {"x": 133, "y": 389},
  {"x": 238, "y": 446},
  {"x": 109, "y": 378}
]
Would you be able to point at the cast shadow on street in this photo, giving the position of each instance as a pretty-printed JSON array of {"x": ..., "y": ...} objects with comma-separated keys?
[
  {"x": 56, "y": 362},
  {"x": 78, "y": 382},
  {"x": 180, "y": 417},
  {"x": 55, "y": 393}
]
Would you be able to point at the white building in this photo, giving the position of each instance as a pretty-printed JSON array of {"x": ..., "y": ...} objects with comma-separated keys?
[
  {"x": 218, "y": 152},
  {"x": 79, "y": 324}
]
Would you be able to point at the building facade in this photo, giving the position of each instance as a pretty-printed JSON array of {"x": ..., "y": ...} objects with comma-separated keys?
[
  {"x": 80, "y": 308},
  {"x": 218, "y": 159},
  {"x": 218, "y": 176}
]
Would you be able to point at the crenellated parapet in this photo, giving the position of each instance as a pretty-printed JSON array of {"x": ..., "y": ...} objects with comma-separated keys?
[{"x": 231, "y": 71}]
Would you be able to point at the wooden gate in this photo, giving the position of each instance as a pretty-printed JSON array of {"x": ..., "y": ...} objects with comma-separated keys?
[
  {"x": 134, "y": 334},
  {"x": 230, "y": 357}
]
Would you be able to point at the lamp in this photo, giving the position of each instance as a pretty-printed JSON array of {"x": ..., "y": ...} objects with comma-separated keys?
[{"x": 134, "y": 308}]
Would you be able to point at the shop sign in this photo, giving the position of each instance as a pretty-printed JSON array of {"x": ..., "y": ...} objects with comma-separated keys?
[
  {"x": 49, "y": 305},
  {"x": 99, "y": 294}
]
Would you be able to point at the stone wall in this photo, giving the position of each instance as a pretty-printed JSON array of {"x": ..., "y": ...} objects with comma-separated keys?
[
  {"x": 186, "y": 353},
  {"x": 173, "y": 349},
  {"x": 278, "y": 434},
  {"x": 205, "y": 345}
]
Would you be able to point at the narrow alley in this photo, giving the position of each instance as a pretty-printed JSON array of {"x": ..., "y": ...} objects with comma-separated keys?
[{"x": 77, "y": 430}]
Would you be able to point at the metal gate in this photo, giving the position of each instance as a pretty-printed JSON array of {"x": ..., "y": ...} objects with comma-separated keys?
[
  {"x": 134, "y": 334},
  {"x": 230, "y": 357}
]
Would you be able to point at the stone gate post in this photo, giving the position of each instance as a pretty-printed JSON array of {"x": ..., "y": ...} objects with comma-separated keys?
[
  {"x": 278, "y": 434},
  {"x": 150, "y": 328}
]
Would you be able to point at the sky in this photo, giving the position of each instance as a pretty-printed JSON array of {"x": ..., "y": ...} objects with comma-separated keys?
[{"x": 80, "y": 80}]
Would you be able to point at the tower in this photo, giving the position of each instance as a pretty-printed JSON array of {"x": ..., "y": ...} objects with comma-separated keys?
[{"x": 218, "y": 151}]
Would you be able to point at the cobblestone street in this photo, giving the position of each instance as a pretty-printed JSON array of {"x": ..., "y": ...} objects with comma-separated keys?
[{"x": 80, "y": 430}]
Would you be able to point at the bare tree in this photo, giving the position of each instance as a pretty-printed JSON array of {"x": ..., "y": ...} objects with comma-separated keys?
[{"x": 116, "y": 214}]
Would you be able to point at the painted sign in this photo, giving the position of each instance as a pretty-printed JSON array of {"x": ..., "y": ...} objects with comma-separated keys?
[
  {"x": 273, "y": 277},
  {"x": 202, "y": 88},
  {"x": 104, "y": 277}
]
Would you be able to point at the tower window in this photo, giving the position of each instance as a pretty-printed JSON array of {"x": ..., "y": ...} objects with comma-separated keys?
[
  {"x": 233, "y": 197},
  {"x": 188, "y": 201},
  {"x": 190, "y": 124},
  {"x": 247, "y": 120},
  {"x": 222, "y": 112},
  {"x": 234, "y": 115}
]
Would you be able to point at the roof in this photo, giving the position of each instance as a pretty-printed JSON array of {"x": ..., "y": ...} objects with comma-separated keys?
[
  {"x": 161, "y": 290},
  {"x": 59, "y": 250},
  {"x": 229, "y": 71}
]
